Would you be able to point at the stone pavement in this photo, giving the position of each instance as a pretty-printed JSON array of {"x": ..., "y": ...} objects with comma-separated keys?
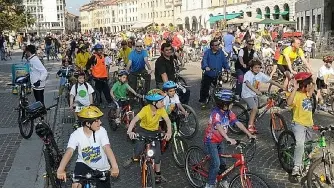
[
  {"x": 20, "y": 159},
  {"x": 265, "y": 163}
]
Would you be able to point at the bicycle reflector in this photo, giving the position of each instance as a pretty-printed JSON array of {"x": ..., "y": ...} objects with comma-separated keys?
[{"x": 150, "y": 153}]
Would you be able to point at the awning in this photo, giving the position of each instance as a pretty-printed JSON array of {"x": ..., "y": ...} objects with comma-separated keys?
[
  {"x": 266, "y": 14},
  {"x": 258, "y": 16},
  {"x": 141, "y": 25},
  {"x": 214, "y": 19},
  {"x": 285, "y": 12},
  {"x": 276, "y": 13}
]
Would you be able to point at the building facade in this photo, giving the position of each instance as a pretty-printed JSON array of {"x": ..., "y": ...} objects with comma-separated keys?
[
  {"x": 72, "y": 23},
  {"x": 196, "y": 13},
  {"x": 127, "y": 14},
  {"x": 49, "y": 15},
  {"x": 315, "y": 16}
]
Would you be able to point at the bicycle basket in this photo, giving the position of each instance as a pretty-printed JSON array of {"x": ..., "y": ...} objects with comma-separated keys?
[{"x": 36, "y": 110}]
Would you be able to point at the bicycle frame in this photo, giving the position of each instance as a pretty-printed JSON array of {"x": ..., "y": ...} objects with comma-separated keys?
[
  {"x": 144, "y": 159},
  {"x": 125, "y": 114},
  {"x": 239, "y": 163}
]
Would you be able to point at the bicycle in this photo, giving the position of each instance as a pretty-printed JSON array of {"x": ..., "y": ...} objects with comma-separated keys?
[
  {"x": 179, "y": 145},
  {"x": 197, "y": 169},
  {"x": 51, "y": 152},
  {"x": 326, "y": 176},
  {"x": 89, "y": 179},
  {"x": 25, "y": 126},
  {"x": 273, "y": 101},
  {"x": 141, "y": 90},
  {"x": 126, "y": 115},
  {"x": 186, "y": 127},
  {"x": 147, "y": 160},
  {"x": 286, "y": 148}
]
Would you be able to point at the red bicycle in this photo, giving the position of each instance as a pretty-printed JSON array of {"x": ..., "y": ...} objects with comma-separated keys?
[
  {"x": 126, "y": 115},
  {"x": 197, "y": 169}
]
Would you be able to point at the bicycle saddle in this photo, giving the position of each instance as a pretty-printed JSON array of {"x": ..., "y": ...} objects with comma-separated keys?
[{"x": 22, "y": 79}]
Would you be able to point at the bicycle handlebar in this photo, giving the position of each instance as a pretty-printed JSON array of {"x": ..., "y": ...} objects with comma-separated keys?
[
  {"x": 323, "y": 129},
  {"x": 159, "y": 136},
  {"x": 91, "y": 176}
]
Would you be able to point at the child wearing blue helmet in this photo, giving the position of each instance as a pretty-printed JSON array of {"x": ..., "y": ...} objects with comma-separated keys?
[
  {"x": 149, "y": 117},
  {"x": 220, "y": 118},
  {"x": 172, "y": 100}
]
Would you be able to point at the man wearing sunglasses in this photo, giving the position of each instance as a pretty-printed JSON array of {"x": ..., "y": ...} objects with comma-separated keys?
[
  {"x": 213, "y": 62},
  {"x": 245, "y": 55},
  {"x": 138, "y": 58}
]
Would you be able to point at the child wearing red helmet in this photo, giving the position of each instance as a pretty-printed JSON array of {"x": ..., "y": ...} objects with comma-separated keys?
[
  {"x": 322, "y": 80},
  {"x": 302, "y": 120}
]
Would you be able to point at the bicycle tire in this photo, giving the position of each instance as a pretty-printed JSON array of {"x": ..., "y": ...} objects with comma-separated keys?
[
  {"x": 27, "y": 128},
  {"x": 287, "y": 166},
  {"x": 189, "y": 171},
  {"x": 250, "y": 179},
  {"x": 315, "y": 164},
  {"x": 182, "y": 125},
  {"x": 244, "y": 112},
  {"x": 50, "y": 171},
  {"x": 150, "y": 176},
  {"x": 140, "y": 100},
  {"x": 182, "y": 81},
  {"x": 179, "y": 155},
  {"x": 283, "y": 125}
]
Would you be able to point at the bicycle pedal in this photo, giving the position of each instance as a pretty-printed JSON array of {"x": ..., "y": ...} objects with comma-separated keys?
[{"x": 45, "y": 175}]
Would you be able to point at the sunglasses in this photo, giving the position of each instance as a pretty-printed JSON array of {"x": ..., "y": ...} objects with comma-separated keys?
[
  {"x": 139, "y": 46},
  {"x": 251, "y": 44}
]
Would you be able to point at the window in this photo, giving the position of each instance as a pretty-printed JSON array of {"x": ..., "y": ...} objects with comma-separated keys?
[
  {"x": 172, "y": 12},
  {"x": 164, "y": 13},
  {"x": 168, "y": 13}
]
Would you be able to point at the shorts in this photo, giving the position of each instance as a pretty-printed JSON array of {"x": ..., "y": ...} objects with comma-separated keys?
[
  {"x": 252, "y": 102},
  {"x": 320, "y": 84},
  {"x": 140, "y": 145},
  {"x": 82, "y": 169},
  {"x": 283, "y": 68}
]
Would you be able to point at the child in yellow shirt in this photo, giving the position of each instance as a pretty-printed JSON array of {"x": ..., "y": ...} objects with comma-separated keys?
[
  {"x": 302, "y": 120},
  {"x": 149, "y": 127}
]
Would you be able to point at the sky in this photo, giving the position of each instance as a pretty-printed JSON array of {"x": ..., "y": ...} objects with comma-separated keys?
[{"x": 74, "y": 5}]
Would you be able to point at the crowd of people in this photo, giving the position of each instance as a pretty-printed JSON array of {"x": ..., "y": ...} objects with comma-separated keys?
[{"x": 90, "y": 56}]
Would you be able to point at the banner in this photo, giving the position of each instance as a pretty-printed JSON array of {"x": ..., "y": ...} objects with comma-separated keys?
[{"x": 20, "y": 69}]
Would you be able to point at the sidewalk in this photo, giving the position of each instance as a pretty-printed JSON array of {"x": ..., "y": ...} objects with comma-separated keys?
[{"x": 20, "y": 159}]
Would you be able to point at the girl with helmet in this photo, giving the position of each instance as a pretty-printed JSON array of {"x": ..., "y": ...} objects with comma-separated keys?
[
  {"x": 171, "y": 101},
  {"x": 94, "y": 150},
  {"x": 323, "y": 75},
  {"x": 119, "y": 92},
  {"x": 150, "y": 116},
  {"x": 302, "y": 119},
  {"x": 220, "y": 118}
]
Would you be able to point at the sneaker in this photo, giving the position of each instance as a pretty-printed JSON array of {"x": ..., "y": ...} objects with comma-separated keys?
[
  {"x": 252, "y": 129},
  {"x": 209, "y": 186},
  {"x": 224, "y": 184},
  {"x": 237, "y": 98},
  {"x": 295, "y": 171},
  {"x": 118, "y": 121}
]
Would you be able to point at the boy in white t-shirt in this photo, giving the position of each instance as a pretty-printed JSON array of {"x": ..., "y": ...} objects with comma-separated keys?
[
  {"x": 323, "y": 75},
  {"x": 94, "y": 150},
  {"x": 250, "y": 90},
  {"x": 81, "y": 95}
]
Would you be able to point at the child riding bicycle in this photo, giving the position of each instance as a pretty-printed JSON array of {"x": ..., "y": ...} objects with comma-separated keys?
[
  {"x": 149, "y": 126},
  {"x": 172, "y": 101},
  {"x": 94, "y": 150},
  {"x": 302, "y": 120},
  {"x": 324, "y": 73},
  {"x": 250, "y": 90},
  {"x": 81, "y": 95},
  {"x": 65, "y": 73},
  {"x": 119, "y": 92},
  {"x": 220, "y": 118}
]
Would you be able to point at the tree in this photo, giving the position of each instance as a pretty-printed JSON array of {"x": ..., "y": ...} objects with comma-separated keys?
[{"x": 13, "y": 15}]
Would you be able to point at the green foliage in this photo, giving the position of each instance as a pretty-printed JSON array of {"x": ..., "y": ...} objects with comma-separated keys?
[{"x": 13, "y": 16}]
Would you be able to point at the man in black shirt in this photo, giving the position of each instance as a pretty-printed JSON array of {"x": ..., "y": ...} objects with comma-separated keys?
[
  {"x": 165, "y": 71},
  {"x": 48, "y": 43}
]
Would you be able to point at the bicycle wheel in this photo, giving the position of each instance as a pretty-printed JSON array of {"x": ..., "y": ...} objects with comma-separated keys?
[
  {"x": 179, "y": 149},
  {"x": 111, "y": 119},
  {"x": 317, "y": 177},
  {"x": 285, "y": 149},
  {"x": 225, "y": 76},
  {"x": 248, "y": 180},
  {"x": 149, "y": 180},
  {"x": 26, "y": 126},
  {"x": 188, "y": 126},
  {"x": 195, "y": 168},
  {"x": 242, "y": 115},
  {"x": 277, "y": 126},
  {"x": 51, "y": 170}
]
